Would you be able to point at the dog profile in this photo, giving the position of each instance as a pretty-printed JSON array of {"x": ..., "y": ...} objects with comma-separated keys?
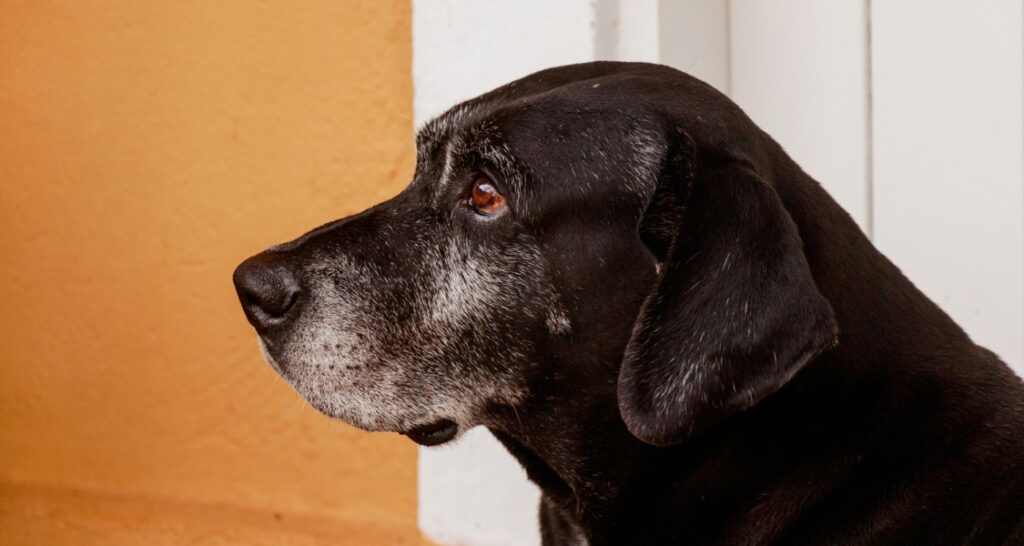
[{"x": 676, "y": 331}]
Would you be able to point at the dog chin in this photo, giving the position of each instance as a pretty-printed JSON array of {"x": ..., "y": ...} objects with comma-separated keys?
[{"x": 431, "y": 433}]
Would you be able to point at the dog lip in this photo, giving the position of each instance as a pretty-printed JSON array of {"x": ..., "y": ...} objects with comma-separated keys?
[
  {"x": 265, "y": 345},
  {"x": 433, "y": 434}
]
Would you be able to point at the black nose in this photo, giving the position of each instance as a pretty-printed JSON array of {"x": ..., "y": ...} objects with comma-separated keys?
[{"x": 268, "y": 291}]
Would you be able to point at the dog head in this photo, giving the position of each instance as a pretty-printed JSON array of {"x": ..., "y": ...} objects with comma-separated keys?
[{"x": 591, "y": 224}]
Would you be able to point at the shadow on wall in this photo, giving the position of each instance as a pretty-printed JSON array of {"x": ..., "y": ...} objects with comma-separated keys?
[{"x": 147, "y": 149}]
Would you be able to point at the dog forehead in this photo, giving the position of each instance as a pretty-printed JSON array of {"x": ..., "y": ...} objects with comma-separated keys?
[
  {"x": 570, "y": 118},
  {"x": 446, "y": 144},
  {"x": 612, "y": 96},
  {"x": 538, "y": 100},
  {"x": 437, "y": 130},
  {"x": 550, "y": 150}
]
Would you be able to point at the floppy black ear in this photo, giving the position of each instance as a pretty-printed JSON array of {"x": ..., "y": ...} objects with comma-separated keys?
[{"x": 735, "y": 312}]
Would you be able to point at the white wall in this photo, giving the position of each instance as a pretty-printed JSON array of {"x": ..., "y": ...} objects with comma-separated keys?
[{"x": 909, "y": 113}]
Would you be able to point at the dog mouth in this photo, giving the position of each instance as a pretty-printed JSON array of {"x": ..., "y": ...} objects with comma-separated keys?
[
  {"x": 431, "y": 434},
  {"x": 434, "y": 434}
]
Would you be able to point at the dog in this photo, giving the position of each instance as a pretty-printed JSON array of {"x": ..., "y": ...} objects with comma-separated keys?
[{"x": 676, "y": 331}]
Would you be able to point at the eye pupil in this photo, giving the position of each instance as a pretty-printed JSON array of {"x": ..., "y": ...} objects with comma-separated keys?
[{"x": 484, "y": 197}]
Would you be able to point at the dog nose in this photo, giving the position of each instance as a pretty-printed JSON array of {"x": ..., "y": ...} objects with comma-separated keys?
[{"x": 268, "y": 291}]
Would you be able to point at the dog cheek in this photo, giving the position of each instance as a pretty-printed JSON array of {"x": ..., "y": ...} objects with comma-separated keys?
[
  {"x": 329, "y": 354},
  {"x": 503, "y": 293}
]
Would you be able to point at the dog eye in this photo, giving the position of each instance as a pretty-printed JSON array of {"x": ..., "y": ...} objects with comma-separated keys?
[{"x": 484, "y": 197}]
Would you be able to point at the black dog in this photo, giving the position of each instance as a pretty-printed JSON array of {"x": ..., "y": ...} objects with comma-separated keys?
[{"x": 675, "y": 330}]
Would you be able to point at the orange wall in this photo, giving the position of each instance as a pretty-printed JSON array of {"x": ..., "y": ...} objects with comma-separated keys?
[{"x": 145, "y": 149}]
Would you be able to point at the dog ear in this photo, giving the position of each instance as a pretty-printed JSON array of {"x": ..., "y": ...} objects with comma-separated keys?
[{"x": 734, "y": 313}]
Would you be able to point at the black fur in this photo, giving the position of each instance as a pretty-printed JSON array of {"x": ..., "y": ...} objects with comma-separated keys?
[{"x": 743, "y": 367}]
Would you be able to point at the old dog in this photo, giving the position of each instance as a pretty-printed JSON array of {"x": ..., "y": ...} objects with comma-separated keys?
[{"x": 676, "y": 331}]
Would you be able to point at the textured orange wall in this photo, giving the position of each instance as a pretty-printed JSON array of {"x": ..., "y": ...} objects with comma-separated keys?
[{"x": 145, "y": 149}]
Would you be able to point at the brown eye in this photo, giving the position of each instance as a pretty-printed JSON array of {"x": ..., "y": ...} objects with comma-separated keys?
[{"x": 484, "y": 197}]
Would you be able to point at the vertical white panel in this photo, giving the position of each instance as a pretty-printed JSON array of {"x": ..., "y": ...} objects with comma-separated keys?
[
  {"x": 690, "y": 35},
  {"x": 799, "y": 68},
  {"x": 464, "y": 48},
  {"x": 637, "y": 31},
  {"x": 948, "y": 145},
  {"x": 694, "y": 37},
  {"x": 474, "y": 492}
]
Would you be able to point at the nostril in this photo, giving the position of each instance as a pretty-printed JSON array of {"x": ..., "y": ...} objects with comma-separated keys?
[
  {"x": 282, "y": 305},
  {"x": 267, "y": 290},
  {"x": 269, "y": 305}
]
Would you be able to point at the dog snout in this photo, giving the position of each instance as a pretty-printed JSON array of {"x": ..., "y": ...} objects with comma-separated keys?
[{"x": 268, "y": 290}]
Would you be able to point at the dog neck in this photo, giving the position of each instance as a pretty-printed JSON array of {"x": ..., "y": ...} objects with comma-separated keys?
[
  {"x": 581, "y": 455},
  {"x": 880, "y": 313}
]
